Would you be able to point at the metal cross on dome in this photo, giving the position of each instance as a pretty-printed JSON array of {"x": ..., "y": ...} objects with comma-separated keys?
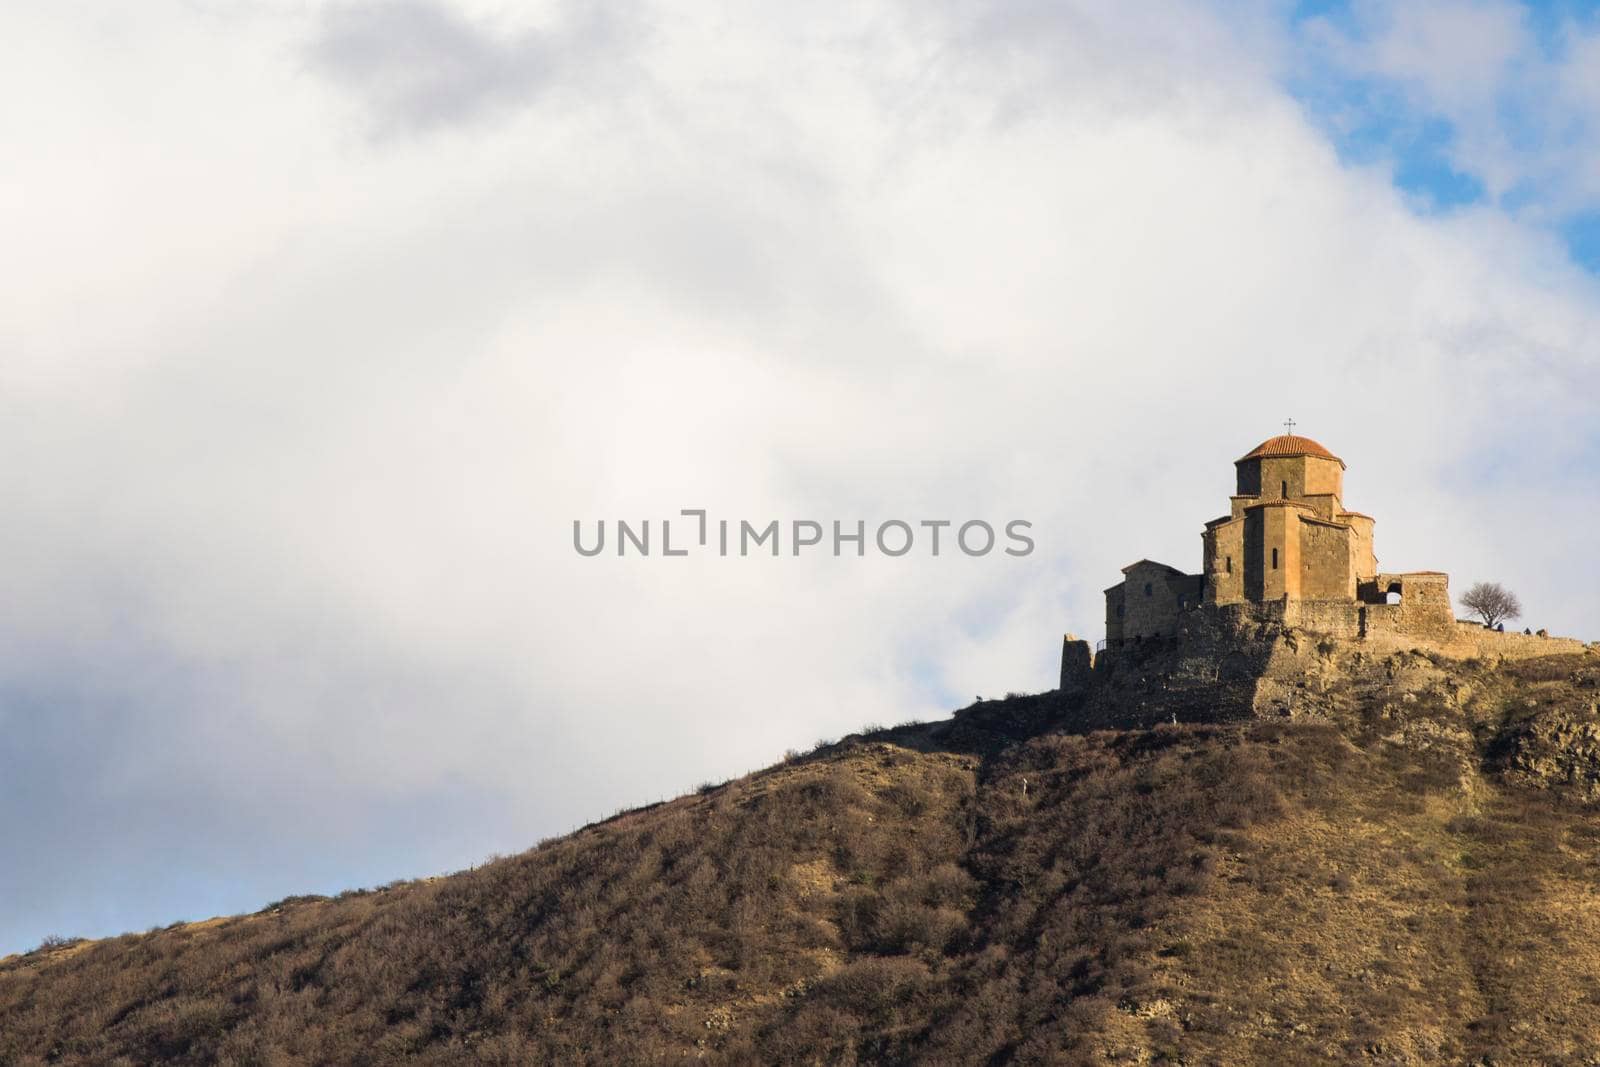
[{"x": 1288, "y": 424}]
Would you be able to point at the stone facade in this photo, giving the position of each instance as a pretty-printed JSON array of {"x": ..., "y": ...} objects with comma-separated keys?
[
  {"x": 1147, "y": 601},
  {"x": 1287, "y": 540},
  {"x": 1289, "y": 600},
  {"x": 1077, "y": 664},
  {"x": 1287, "y": 533},
  {"x": 1305, "y": 658}
]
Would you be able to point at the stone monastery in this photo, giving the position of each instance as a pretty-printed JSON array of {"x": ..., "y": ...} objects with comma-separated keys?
[
  {"x": 1290, "y": 550},
  {"x": 1289, "y": 595}
]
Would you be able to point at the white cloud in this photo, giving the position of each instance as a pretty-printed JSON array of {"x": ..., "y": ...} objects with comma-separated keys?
[
  {"x": 420, "y": 64},
  {"x": 300, "y": 419},
  {"x": 1521, "y": 107}
]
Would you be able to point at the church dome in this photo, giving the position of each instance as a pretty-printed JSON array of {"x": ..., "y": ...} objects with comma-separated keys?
[{"x": 1289, "y": 445}]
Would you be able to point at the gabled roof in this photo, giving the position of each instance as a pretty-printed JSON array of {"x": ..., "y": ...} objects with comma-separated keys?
[
  {"x": 1169, "y": 568},
  {"x": 1154, "y": 563}
]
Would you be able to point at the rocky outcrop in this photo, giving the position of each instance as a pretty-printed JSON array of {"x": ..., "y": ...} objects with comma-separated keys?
[
  {"x": 1556, "y": 749},
  {"x": 1532, "y": 721}
]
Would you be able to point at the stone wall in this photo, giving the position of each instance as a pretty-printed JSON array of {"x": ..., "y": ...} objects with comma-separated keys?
[
  {"x": 1077, "y": 664},
  {"x": 1116, "y": 608},
  {"x": 1423, "y": 611},
  {"x": 1247, "y": 478},
  {"x": 1283, "y": 477},
  {"x": 1425, "y": 608},
  {"x": 1207, "y": 672},
  {"x": 1224, "y": 562},
  {"x": 1271, "y": 552},
  {"x": 1489, "y": 643},
  {"x": 1363, "y": 563},
  {"x": 1325, "y": 561},
  {"x": 1152, "y": 597},
  {"x": 1286, "y": 658},
  {"x": 1323, "y": 476},
  {"x": 1335, "y": 617},
  {"x": 1295, "y": 477},
  {"x": 1326, "y": 505},
  {"x": 1381, "y": 627}
]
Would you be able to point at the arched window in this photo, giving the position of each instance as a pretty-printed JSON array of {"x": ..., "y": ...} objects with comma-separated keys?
[
  {"x": 1285, "y": 488},
  {"x": 1147, "y": 590},
  {"x": 1274, "y": 559}
]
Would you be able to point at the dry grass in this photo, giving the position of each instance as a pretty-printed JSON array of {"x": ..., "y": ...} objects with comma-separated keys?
[{"x": 1251, "y": 893}]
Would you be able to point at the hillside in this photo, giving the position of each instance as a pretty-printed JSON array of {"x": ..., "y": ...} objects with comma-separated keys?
[{"x": 1406, "y": 871}]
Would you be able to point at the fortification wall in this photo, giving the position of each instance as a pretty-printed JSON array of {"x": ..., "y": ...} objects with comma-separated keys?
[
  {"x": 1207, "y": 672},
  {"x": 1425, "y": 609},
  {"x": 1077, "y": 664},
  {"x": 1488, "y": 643},
  {"x": 1337, "y": 618},
  {"x": 1266, "y": 660},
  {"x": 1381, "y": 627}
]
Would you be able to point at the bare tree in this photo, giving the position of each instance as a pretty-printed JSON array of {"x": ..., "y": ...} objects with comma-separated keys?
[{"x": 1492, "y": 602}]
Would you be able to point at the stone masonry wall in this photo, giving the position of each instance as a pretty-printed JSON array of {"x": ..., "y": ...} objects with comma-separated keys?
[
  {"x": 1325, "y": 561},
  {"x": 1116, "y": 608},
  {"x": 1152, "y": 598},
  {"x": 1424, "y": 609},
  {"x": 1512, "y": 646},
  {"x": 1077, "y": 664},
  {"x": 1225, "y": 562},
  {"x": 1337, "y": 618},
  {"x": 1251, "y": 660},
  {"x": 1362, "y": 561}
]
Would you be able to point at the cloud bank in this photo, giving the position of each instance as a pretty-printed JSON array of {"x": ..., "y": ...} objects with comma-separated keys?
[{"x": 333, "y": 320}]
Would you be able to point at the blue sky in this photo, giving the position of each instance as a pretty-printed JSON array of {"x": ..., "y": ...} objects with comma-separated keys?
[
  {"x": 335, "y": 316},
  {"x": 1381, "y": 114}
]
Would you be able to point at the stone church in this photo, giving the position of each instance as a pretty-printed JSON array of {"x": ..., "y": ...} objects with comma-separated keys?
[{"x": 1287, "y": 548}]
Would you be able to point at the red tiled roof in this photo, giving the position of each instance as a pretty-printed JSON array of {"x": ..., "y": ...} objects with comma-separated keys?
[
  {"x": 1289, "y": 445},
  {"x": 1280, "y": 502}
]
